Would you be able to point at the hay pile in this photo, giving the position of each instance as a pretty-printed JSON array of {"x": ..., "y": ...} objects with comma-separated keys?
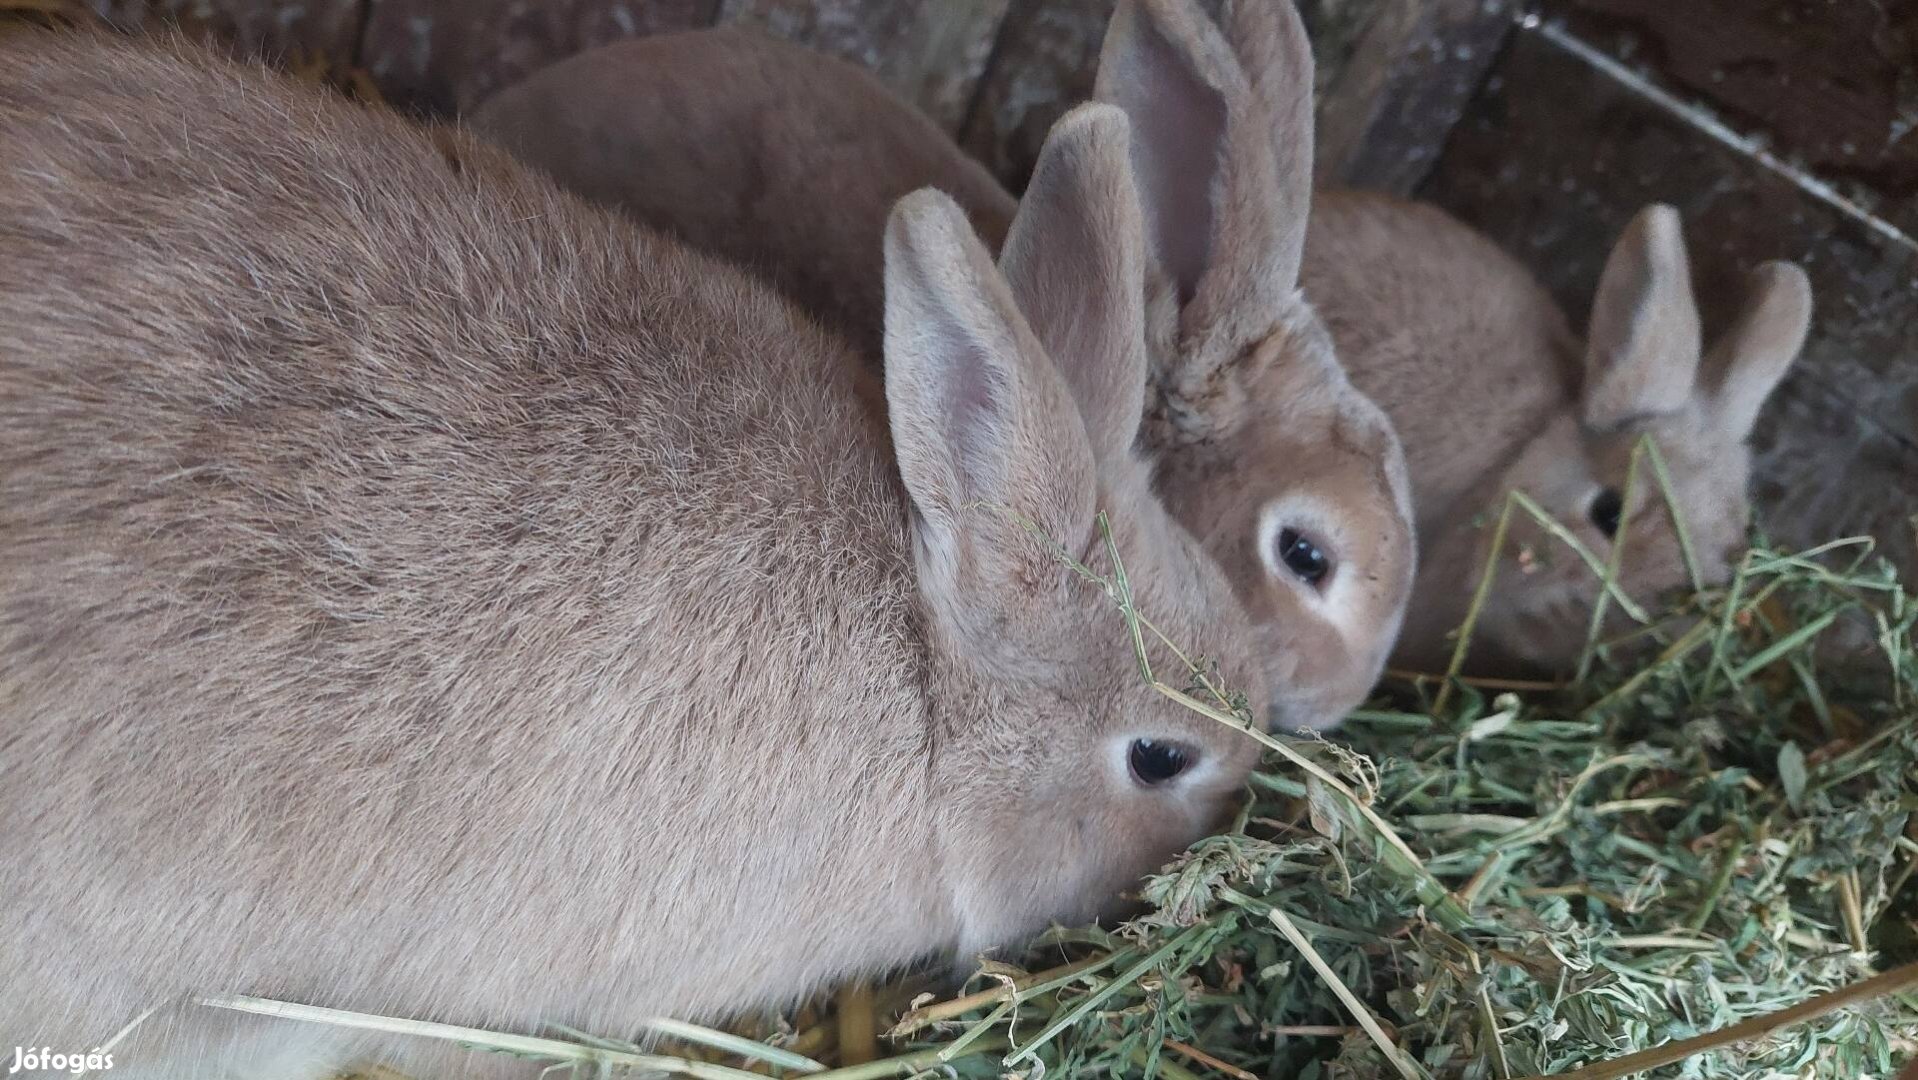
[{"x": 1508, "y": 883}]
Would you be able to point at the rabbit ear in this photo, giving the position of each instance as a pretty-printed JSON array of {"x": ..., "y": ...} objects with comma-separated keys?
[
  {"x": 1763, "y": 341},
  {"x": 1270, "y": 41},
  {"x": 1075, "y": 263},
  {"x": 1641, "y": 356},
  {"x": 1204, "y": 152},
  {"x": 1158, "y": 66},
  {"x": 982, "y": 424}
]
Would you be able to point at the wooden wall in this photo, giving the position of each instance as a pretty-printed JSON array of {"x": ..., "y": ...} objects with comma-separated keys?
[{"x": 1781, "y": 129}]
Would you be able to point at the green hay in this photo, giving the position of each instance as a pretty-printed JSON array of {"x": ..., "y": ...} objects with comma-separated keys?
[{"x": 1657, "y": 853}]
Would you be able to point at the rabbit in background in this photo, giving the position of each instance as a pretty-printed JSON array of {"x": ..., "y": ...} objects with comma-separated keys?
[
  {"x": 1291, "y": 477},
  {"x": 424, "y": 594},
  {"x": 1428, "y": 311},
  {"x": 1474, "y": 364},
  {"x": 740, "y": 156}
]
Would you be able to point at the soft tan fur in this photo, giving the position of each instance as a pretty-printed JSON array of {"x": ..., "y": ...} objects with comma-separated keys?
[
  {"x": 422, "y": 593},
  {"x": 1256, "y": 428},
  {"x": 714, "y": 136},
  {"x": 1492, "y": 393}
]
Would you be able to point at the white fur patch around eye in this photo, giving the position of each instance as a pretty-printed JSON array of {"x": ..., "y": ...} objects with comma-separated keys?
[{"x": 1335, "y": 597}]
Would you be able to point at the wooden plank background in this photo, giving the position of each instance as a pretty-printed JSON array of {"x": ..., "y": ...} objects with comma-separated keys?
[{"x": 1780, "y": 128}]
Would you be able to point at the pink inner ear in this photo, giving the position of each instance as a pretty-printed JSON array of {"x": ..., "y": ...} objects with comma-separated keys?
[
  {"x": 975, "y": 399},
  {"x": 1178, "y": 134}
]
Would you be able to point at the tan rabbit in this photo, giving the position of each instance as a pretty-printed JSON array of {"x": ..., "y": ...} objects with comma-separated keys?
[
  {"x": 1292, "y": 479},
  {"x": 1492, "y": 393},
  {"x": 416, "y": 598},
  {"x": 1473, "y": 362},
  {"x": 1489, "y": 393}
]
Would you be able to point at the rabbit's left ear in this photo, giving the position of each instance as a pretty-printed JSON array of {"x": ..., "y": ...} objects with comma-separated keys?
[{"x": 985, "y": 431}]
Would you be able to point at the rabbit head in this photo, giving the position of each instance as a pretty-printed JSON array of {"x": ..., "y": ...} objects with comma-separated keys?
[
  {"x": 1645, "y": 376},
  {"x": 1015, "y": 396},
  {"x": 1293, "y": 479}
]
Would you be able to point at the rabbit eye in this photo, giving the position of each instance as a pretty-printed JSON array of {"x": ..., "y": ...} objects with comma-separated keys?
[
  {"x": 1307, "y": 561},
  {"x": 1607, "y": 505},
  {"x": 1154, "y": 763}
]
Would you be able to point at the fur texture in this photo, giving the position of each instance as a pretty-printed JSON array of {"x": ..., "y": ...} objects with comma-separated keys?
[
  {"x": 715, "y": 137},
  {"x": 422, "y": 593},
  {"x": 1258, "y": 435}
]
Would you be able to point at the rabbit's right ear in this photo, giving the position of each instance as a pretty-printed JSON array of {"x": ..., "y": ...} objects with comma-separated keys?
[
  {"x": 1074, "y": 260},
  {"x": 987, "y": 435},
  {"x": 1755, "y": 352},
  {"x": 1222, "y": 151},
  {"x": 1642, "y": 350}
]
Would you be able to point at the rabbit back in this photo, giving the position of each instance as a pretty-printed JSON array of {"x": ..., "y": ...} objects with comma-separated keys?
[
  {"x": 1427, "y": 312},
  {"x": 776, "y": 156}
]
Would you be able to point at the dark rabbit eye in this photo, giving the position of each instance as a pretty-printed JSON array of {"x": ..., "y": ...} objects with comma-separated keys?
[
  {"x": 1607, "y": 505},
  {"x": 1303, "y": 557},
  {"x": 1154, "y": 763}
]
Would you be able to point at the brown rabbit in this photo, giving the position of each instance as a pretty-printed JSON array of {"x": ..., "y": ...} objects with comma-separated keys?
[
  {"x": 416, "y": 598},
  {"x": 1464, "y": 351},
  {"x": 1483, "y": 384},
  {"x": 1492, "y": 394},
  {"x": 1293, "y": 480}
]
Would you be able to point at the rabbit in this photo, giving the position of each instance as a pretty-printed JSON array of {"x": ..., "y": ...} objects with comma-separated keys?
[
  {"x": 424, "y": 594},
  {"x": 1484, "y": 386},
  {"x": 1428, "y": 319},
  {"x": 1294, "y": 480},
  {"x": 1492, "y": 393}
]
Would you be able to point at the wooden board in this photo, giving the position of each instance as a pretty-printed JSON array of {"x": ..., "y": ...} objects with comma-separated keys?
[
  {"x": 1832, "y": 83},
  {"x": 1047, "y": 55},
  {"x": 445, "y": 56},
  {"x": 931, "y": 52},
  {"x": 1394, "y": 77}
]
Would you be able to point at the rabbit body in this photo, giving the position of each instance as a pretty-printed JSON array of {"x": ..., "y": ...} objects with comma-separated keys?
[
  {"x": 1429, "y": 314},
  {"x": 421, "y": 593}
]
